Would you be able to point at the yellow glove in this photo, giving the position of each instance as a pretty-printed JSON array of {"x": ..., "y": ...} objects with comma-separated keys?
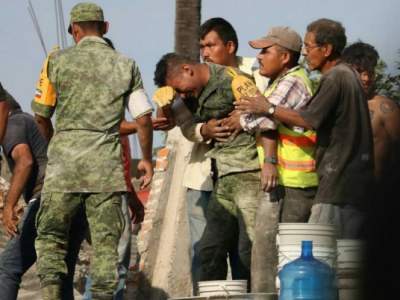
[
  {"x": 45, "y": 93},
  {"x": 242, "y": 86},
  {"x": 164, "y": 95}
]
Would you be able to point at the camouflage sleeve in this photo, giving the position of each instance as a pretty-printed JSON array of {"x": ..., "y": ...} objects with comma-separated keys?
[
  {"x": 44, "y": 102},
  {"x": 137, "y": 82}
]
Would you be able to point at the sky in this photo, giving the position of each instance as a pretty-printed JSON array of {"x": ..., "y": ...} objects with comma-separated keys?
[{"x": 144, "y": 30}]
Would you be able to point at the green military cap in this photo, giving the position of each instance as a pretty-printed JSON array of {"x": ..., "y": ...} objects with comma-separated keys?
[{"x": 86, "y": 11}]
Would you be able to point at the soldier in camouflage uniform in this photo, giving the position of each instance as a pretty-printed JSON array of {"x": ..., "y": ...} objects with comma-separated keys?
[
  {"x": 206, "y": 90},
  {"x": 85, "y": 167}
]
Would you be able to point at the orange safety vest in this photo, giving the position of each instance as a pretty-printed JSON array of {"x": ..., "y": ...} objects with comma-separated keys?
[{"x": 296, "y": 146}]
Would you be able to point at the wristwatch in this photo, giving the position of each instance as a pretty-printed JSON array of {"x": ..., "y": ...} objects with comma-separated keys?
[
  {"x": 271, "y": 109},
  {"x": 271, "y": 160}
]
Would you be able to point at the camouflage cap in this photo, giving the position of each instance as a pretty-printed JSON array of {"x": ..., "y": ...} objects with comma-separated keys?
[{"x": 86, "y": 11}]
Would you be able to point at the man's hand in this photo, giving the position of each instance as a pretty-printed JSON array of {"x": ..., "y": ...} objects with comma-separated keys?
[
  {"x": 253, "y": 105},
  {"x": 269, "y": 177},
  {"x": 214, "y": 129},
  {"x": 163, "y": 123},
  {"x": 233, "y": 123},
  {"x": 10, "y": 221},
  {"x": 145, "y": 167},
  {"x": 22, "y": 157}
]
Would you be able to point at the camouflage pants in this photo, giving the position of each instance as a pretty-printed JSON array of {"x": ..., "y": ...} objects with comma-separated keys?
[
  {"x": 106, "y": 223},
  {"x": 231, "y": 217}
]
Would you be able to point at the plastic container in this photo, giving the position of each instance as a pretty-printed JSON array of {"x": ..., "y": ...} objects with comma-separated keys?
[
  {"x": 253, "y": 296},
  {"x": 307, "y": 278},
  {"x": 290, "y": 236},
  {"x": 350, "y": 269},
  {"x": 222, "y": 287}
]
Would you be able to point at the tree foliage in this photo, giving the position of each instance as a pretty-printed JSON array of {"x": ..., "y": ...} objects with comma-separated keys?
[{"x": 388, "y": 84}]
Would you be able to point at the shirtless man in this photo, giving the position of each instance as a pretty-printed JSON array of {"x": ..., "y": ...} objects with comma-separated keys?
[
  {"x": 384, "y": 113},
  {"x": 385, "y": 119}
]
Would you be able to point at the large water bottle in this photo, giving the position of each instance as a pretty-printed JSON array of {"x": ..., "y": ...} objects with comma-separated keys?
[{"x": 307, "y": 278}]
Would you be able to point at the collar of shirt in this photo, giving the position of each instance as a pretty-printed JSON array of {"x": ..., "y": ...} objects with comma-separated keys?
[
  {"x": 92, "y": 38},
  {"x": 284, "y": 74}
]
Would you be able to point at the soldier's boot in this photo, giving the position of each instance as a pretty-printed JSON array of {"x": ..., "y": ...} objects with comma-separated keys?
[{"x": 51, "y": 292}]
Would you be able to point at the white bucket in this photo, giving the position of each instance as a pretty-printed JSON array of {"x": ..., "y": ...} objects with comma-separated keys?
[
  {"x": 252, "y": 296},
  {"x": 290, "y": 236},
  {"x": 350, "y": 268},
  {"x": 351, "y": 254},
  {"x": 222, "y": 287},
  {"x": 288, "y": 253}
]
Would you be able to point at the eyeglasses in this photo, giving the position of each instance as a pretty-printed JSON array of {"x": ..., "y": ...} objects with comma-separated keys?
[{"x": 307, "y": 48}]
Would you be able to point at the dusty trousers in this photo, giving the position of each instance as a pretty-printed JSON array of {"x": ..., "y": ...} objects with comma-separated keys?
[
  {"x": 106, "y": 223},
  {"x": 283, "y": 204},
  {"x": 231, "y": 217}
]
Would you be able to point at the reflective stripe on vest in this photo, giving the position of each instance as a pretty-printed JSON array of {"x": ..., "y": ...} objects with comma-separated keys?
[{"x": 296, "y": 162}]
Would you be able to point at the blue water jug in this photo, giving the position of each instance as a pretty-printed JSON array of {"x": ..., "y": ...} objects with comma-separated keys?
[{"x": 307, "y": 278}]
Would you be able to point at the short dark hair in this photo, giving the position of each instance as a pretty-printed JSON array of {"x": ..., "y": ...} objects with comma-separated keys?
[
  {"x": 168, "y": 64},
  {"x": 224, "y": 29},
  {"x": 97, "y": 26},
  {"x": 361, "y": 55},
  {"x": 329, "y": 32}
]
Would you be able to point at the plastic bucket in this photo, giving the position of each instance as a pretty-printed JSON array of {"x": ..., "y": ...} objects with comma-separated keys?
[
  {"x": 350, "y": 267},
  {"x": 289, "y": 240},
  {"x": 290, "y": 236},
  {"x": 351, "y": 254},
  {"x": 222, "y": 287},
  {"x": 288, "y": 253},
  {"x": 252, "y": 296}
]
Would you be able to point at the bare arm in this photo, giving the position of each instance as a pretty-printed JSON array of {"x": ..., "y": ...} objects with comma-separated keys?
[
  {"x": 4, "y": 110},
  {"x": 269, "y": 172},
  {"x": 45, "y": 126},
  {"x": 21, "y": 154},
  {"x": 145, "y": 134},
  {"x": 290, "y": 117},
  {"x": 127, "y": 128},
  {"x": 162, "y": 122}
]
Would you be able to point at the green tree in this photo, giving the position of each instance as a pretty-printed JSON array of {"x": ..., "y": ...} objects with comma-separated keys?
[
  {"x": 388, "y": 84},
  {"x": 187, "y": 24}
]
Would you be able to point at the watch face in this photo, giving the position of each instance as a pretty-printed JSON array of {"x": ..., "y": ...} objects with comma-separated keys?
[{"x": 271, "y": 110}]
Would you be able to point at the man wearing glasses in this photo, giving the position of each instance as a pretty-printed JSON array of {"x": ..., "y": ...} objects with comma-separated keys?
[{"x": 339, "y": 113}]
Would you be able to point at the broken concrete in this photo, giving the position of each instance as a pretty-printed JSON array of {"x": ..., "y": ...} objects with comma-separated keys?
[{"x": 163, "y": 242}]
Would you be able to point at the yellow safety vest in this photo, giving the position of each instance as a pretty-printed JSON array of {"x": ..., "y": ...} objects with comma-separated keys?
[{"x": 296, "y": 147}]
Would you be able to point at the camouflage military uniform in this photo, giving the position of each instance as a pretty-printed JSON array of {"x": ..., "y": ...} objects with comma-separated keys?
[
  {"x": 84, "y": 158},
  {"x": 232, "y": 209}
]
